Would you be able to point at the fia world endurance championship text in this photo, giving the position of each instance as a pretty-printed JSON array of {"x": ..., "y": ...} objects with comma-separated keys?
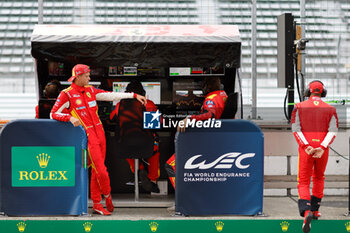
[{"x": 213, "y": 176}]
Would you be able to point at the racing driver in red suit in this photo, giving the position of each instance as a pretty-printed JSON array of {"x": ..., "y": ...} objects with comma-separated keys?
[
  {"x": 314, "y": 125},
  {"x": 212, "y": 107},
  {"x": 80, "y": 100}
]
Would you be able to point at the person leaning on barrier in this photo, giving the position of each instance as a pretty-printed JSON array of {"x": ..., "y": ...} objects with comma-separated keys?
[
  {"x": 149, "y": 181},
  {"x": 80, "y": 101},
  {"x": 51, "y": 91},
  {"x": 213, "y": 106},
  {"x": 314, "y": 125}
]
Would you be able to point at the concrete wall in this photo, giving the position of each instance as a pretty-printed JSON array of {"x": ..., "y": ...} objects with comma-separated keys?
[{"x": 280, "y": 143}]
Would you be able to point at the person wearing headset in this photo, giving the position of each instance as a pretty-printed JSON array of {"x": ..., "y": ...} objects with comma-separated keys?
[{"x": 314, "y": 125}]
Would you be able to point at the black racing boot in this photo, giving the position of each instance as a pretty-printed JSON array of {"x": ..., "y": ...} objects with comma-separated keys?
[
  {"x": 305, "y": 211},
  {"x": 315, "y": 205},
  {"x": 303, "y": 205}
]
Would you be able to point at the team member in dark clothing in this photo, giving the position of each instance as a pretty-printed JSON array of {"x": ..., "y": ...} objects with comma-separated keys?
[{"x": 149, "y": 181}]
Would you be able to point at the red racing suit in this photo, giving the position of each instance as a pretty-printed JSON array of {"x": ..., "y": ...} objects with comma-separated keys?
[
  {"x": 213, "y": 106},
  {"x": 314, "y": 123},
  {"x": 153, "y": 167},
  {"x": 81, "y": 104}
]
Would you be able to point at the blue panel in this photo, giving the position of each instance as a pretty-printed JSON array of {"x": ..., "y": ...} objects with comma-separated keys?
[
  {"x": 220, "y": 170},
  {"x": 24, "y": 201}
]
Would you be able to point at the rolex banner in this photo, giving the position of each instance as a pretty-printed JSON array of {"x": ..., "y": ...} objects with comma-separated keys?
[
  {"x": 219, "y": 171},
  {"x": 43, "y": 168}
]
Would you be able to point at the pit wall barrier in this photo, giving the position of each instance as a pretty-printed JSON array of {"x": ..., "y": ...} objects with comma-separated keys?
[
  {"x": 43, "y": 168},
  {"x": 173, "y": 226},
  {"x": 220, "y": 171}
]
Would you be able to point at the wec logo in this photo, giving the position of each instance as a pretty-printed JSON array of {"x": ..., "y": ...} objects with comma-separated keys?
[{"x": 223, "y": 162}]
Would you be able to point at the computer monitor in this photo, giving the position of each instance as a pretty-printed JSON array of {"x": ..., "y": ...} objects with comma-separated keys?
[
  {"x": 97, "y": 71},
  {"x": 187, "y": 95},
  {"x": 153, "y": 90},
  {"x": 56, "y": 68},
  {"x": 122, "y": 71},
  {"x": 196, "y": 71},
  {"x": 134, "y": 71}
]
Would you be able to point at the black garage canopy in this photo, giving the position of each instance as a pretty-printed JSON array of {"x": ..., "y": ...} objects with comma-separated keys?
[{"x": 139, "y": 45}]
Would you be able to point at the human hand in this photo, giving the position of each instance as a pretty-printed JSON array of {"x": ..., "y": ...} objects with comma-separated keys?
[
  {"x": 308, "y": 150},
  {"x": 74, "y": 121},
  {"x": 182, "y": 125},
  {"x": 317, "y": 152},
  {"x": 141, "y": 98}
]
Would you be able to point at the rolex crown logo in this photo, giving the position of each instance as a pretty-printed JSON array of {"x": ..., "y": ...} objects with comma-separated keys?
[
  {"x": 43, "y": 160},
  {"x": 153, "y": 226},
  {"x": 284, "y": 226},
  {"x": 21, "y": 226},
  {"x": 347, "y": 225},
  {"x": 87, "y": 226},
  {"x": 219, "y": 226}
]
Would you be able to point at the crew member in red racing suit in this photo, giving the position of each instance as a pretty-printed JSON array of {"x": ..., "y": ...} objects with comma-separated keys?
[
  {"x": 314, "y": 125},
  {"x": 212, "y": 107},
  {"x": 80, "y": 100}
]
